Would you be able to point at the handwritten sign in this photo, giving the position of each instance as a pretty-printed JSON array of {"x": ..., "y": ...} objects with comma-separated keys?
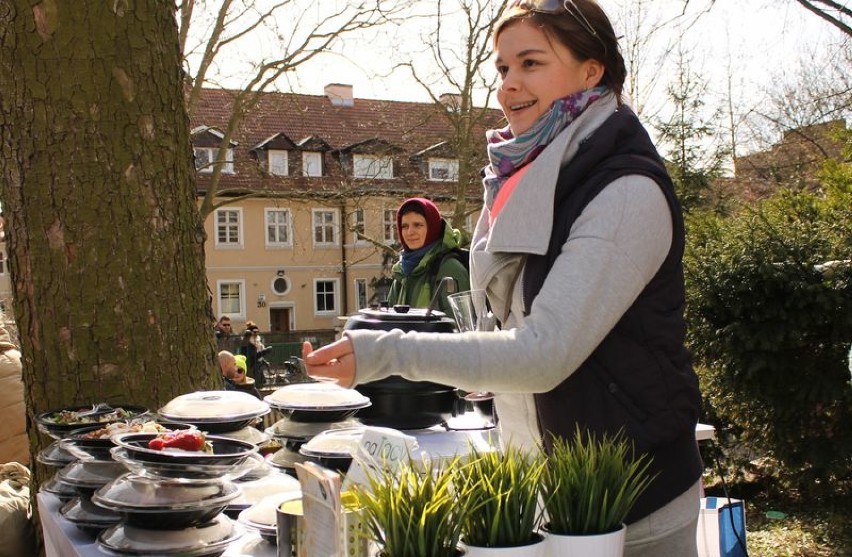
[{"x": 380, "y": 448}]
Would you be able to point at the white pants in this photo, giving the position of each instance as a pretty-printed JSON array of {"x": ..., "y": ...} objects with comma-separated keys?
[{"x": 669, "y": 531}]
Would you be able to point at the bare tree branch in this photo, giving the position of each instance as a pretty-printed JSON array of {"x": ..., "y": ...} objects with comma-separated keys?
[{"x": 824, "y": 13}]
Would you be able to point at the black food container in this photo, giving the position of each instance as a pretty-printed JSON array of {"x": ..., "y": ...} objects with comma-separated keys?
[{"x": 398, "y": 402}]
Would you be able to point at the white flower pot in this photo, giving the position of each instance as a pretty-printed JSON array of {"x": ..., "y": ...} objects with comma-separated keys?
[
  {"x": 537, "y": 549},
  {"x": 600, "y": 545}
]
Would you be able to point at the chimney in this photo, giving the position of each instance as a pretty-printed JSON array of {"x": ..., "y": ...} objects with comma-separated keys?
[{"x": 339, "y": 94}]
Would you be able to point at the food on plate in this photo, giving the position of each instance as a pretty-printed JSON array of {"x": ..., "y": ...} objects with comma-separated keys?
[
  {"x": 186, "y": 440},
  {"x": 85, "y": 416},
  {"x": 124, "y": 427}
]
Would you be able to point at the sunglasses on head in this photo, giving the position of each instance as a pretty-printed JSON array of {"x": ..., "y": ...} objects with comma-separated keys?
[{"x": 555, "y": 7}]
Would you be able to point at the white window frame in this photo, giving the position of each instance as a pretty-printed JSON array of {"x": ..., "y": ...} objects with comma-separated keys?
[
  {"x": 336, "y": 296},
  {"x": 277, "y": 162},
  {"x": 361, "y": 288},
  {"x": 450, "y": 166},
  {"x": 359, "y": 225},
  {"x": 389, "y": 226},
  {"x": 308, "y": 164},
  {"x": 216, "y": 227},
  {"x": 268, "y": 212},
  {"x": 241, "y": 287},
  {"x": 372, "y": 166},
  {"x": 335, "y": 224},
  {"x": 212, "y": 153}
]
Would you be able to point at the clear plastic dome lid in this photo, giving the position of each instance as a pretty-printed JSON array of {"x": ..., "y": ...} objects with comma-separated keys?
[
  {"x": 302, "y": 431},
  {"x": 334, "y": 442},
  {"x": 315, "y": 395},
  {"x": 214, "y": 406},
  {"x": 189, "y": 542},
  {"x": 131, "y": 491}
]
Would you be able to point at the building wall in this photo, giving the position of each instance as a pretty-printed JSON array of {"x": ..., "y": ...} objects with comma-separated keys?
[{"x": 255, "y": 264}]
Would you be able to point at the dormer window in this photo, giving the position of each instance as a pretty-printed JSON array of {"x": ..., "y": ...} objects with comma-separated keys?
[
  {"x": 311, "y": 163},
  {"x": 205, "y": 147},
  {"x": 372, "y": 166},
  {"x": 277, "y": 162},
  {"x": 206, "y": 157},
  {"x": 443, "y": 170}
]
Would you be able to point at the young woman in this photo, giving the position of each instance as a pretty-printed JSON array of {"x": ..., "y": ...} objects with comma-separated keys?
[
  {"x": 579, "y": 249},
  {"x": 426, "y": 240}
]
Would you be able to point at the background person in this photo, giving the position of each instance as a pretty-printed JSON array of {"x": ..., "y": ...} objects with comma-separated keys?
[
  {"x": 579, "y": 248},
  {"x": 233, "y": 368},
  {"x": 253, "y": 349},
  {"x": 14, "y": 444},
  {"x": 427, "y": 239},
  {"x": 223, "y": 332}
]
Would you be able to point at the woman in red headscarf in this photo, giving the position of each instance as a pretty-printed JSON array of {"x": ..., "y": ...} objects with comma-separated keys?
[{"x": 427, "y": 241}]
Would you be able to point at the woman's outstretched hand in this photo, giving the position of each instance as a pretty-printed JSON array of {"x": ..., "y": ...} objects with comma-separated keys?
[{"x": 335, "y": 362}]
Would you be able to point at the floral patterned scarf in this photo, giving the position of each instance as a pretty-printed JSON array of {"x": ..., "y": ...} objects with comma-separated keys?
[{"x": 508, "y": 153}]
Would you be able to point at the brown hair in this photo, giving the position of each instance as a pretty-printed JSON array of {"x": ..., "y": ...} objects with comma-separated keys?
[{"x": 567, "y": 29}]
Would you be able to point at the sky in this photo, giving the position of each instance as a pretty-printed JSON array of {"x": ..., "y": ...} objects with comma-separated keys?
[
  {"x": 762, "y": 36},
  {"x": 753, "y": 43}
]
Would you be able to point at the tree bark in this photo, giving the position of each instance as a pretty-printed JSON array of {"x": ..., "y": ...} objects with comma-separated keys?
[{"x": 106, "y": 250}]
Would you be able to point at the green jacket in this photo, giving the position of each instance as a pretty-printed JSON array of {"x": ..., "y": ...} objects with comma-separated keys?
[{"x": 417, "y": 288}]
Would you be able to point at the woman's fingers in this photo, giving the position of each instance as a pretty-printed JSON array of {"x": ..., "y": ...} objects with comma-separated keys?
[{"x": 335, "y": 362}]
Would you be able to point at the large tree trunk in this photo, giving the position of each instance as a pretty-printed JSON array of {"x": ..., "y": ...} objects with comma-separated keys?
[{"x": 98, "y": 189}]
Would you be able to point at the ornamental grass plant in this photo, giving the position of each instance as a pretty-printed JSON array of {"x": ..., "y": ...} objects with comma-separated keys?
[
  {"x": 590, "y": 483},
  {"x": 502, "y": 490},
  {"x": 414, "y": 510}
]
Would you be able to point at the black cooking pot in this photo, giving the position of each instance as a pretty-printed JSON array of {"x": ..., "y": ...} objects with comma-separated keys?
[{"x": 397, "y": 402}]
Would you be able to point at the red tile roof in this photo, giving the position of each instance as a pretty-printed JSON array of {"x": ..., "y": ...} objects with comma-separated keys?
[{"x": 409, "y": 126}]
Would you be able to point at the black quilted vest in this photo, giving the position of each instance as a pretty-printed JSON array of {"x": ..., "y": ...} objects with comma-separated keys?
[{"x": 640, "y": 378}]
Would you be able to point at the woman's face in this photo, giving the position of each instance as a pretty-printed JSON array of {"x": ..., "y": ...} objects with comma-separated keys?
[
  {"x": 414, "y": 230},
  {"x": 535, "y": 71}
]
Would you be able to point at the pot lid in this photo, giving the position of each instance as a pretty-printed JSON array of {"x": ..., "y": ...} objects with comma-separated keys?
[
  {"x": 316, "y": 396},
  {"x": 401, "y": 313},
  {"x": 189, "y": 542},
  {"x": 141, "y": 493},
  {"x": 214, "y": 406}
]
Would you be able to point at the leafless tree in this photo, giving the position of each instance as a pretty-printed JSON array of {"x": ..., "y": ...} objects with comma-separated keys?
[
  {"x": 291, "y": 32},
  {"x": 837, "y": 14},
  {"x": 460, "y": 85}
]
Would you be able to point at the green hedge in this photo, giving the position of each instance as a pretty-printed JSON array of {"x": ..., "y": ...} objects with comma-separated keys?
[{"x": 770, "y": 333}]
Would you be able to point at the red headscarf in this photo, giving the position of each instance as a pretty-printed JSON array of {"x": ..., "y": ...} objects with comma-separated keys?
[{"x": 428, "y": 210}]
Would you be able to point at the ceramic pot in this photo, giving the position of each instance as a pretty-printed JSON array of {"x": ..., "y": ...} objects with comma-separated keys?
[
  {"x": 535, "y": 549},
  {"x": 610, "y": 544}
]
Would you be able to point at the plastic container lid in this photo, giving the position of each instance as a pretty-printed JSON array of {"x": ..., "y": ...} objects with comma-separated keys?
[
  {"x": 317, "y": 395},
  {"x": 131, "y": 491},
  {"x": 214, "y": 406},
  {"x": 189, "y": 542}
]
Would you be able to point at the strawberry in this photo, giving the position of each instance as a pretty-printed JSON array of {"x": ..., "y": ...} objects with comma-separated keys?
[
  {"x": 184, "y": 440},
  {"x": 157, "y": 443}
]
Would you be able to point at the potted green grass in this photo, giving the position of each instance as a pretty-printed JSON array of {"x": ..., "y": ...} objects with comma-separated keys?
[
  {"x": 413, "y": 510},
  {"x": 503, "y": 515},
  {"x": 588, "y": 486}
]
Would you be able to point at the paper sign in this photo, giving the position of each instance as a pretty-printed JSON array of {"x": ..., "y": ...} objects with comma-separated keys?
[
  {"x": 379, "y": 448},
  {"x": 321, "y": 504}
]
